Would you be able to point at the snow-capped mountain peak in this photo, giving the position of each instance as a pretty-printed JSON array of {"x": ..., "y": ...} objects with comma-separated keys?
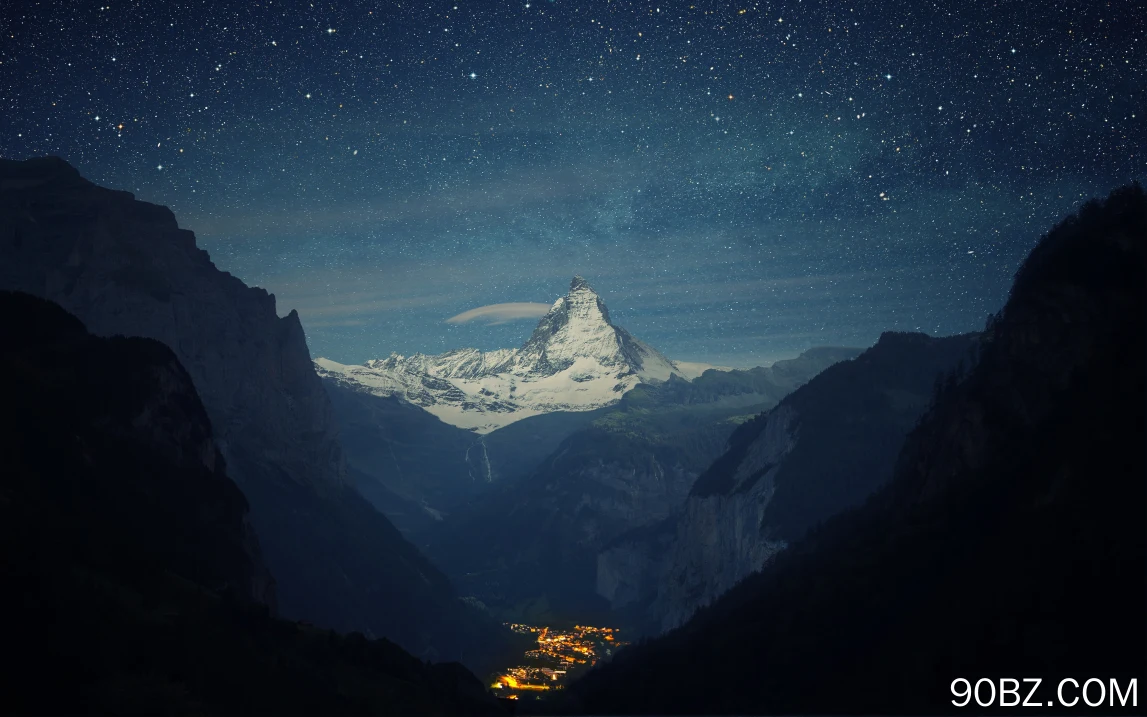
[
  {"x": 578, "y": 283},
  {"x": 575, "y": 360},
  {"x": 578, "y": 327}
]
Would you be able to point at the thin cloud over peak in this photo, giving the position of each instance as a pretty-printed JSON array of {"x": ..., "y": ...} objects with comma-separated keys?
[{"x": 501, "y": 313}]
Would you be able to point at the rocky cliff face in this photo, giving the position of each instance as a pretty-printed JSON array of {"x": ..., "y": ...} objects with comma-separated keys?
[
  {"x": 824, "y": 449},
  {"x": 110, "y": 461},
  {"x": 717, "y": 538},
  {"x": 125, "y": 267}
]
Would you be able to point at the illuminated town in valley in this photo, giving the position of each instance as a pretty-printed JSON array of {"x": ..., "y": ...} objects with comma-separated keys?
[{"x": 558, "y": 653}]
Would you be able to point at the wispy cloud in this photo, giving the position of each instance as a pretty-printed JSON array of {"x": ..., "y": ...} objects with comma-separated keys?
[
  {"x": 358, "y": 304},
  {"x": 514, "y": 193},
  {"x": 501, "y": 313}
]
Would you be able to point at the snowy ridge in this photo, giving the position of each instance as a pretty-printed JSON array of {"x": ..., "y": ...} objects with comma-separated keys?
[
  {"x": 575, "y": 360},
  {"x": 693, "y": 369}
]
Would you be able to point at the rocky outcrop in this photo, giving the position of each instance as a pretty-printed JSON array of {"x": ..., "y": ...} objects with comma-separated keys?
[
  {"x": 625, "y": 576},
  {"x": 717, "y": 538},
  {"x": 125, "y": 267},
  {"x": 823, "y": 449}
]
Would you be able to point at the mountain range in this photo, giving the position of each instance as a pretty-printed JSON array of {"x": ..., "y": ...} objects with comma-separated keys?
[
  {"x": 575, "y": 360},
  {"x": 424, "y": 436},
  {"x": 196, "y": 517},
  {"x": 615, "y": 442}
]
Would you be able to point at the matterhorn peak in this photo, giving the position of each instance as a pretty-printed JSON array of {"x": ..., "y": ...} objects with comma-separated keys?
[
  {"x": 580, "y": 301},
  {"x": 580, "y": 284},
  {"x": 575, "y": 360},
  {"x": 577, "y": 331}
]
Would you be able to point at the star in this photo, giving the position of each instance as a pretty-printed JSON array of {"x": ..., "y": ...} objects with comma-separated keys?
[{"x": 388, "y": 73}]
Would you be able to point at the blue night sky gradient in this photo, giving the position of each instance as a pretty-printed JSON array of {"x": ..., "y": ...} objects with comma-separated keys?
[{"x": 739, "y": 182}]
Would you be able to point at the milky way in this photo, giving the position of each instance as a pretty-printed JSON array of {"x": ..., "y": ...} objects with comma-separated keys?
[{"x": 739, "y": 182}]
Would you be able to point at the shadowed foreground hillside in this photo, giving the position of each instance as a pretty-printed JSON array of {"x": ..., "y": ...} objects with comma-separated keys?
[
  {"x": 1010, "y": 541},
  {"x": 133, "y": 581},
  {"x": 125, "y": 267}
]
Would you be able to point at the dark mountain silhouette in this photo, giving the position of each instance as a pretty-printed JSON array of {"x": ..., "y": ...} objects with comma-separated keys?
[
  {"x": 1010, "y": 541},
  {"x": 824, "y": 448},
  {"x": 125, "y": 267},
  {"x": 132, "y": 580}
]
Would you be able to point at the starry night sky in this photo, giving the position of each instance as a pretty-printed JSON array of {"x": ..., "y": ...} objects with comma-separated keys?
[{"x": 739, "y": 182}]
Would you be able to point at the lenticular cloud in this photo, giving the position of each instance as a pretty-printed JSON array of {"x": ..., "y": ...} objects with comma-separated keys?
[{"x": 501, "y": 313}]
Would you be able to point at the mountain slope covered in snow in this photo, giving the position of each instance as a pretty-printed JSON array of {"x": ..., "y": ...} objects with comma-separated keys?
[{"x": 575, "y": 360}]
